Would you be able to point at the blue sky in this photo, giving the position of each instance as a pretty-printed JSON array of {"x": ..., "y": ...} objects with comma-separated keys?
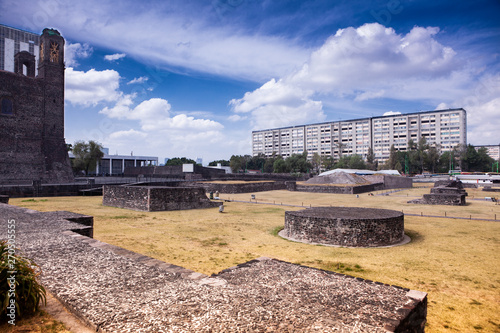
[{"x": 193, "y": 78}]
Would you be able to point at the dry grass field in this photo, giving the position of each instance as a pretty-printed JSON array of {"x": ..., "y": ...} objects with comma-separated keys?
[{"x": 453, "y": 260}]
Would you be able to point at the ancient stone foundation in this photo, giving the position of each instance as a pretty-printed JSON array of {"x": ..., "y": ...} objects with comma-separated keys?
[
  {"x": 446, "y": 192},
  {"x": 115, "y": 290},
  {"x": 151, "y": 198},
  {"x": 345, "y": 226}
]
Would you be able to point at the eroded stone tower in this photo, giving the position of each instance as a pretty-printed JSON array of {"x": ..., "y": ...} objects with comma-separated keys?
[{"x": 32, "y": 145}]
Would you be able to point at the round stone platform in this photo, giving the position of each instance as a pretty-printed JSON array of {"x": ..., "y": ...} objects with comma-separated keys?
[{"x": 345, "y": 226}]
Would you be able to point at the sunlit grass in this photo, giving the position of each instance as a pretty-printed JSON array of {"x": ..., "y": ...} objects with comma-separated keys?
[{"x": 453, "y": 260}]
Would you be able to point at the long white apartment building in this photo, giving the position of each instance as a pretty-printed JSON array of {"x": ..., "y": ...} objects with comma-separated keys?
[{"x": 443, "y": 128}]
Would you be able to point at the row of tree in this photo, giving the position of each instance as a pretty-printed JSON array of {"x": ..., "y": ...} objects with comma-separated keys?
[
  {"x": 422, "y": 157},
  {"x": 419, "y": 157}
]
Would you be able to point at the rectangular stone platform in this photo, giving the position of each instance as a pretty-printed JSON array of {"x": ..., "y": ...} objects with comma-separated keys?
[{"x": 156, "y": 198}]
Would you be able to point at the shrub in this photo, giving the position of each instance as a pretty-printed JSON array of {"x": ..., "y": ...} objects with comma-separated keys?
[{"x": 23, "y": 273}]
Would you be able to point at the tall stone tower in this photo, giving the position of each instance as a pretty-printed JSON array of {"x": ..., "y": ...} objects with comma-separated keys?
[{"x": 32, "y": 145}]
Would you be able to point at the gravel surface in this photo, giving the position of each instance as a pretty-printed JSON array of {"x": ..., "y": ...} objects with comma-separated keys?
[{"x": 115, "y": 290}]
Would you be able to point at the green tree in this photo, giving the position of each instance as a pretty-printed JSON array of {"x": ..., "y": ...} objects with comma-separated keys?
[
  {"x": 392, "y": 160},
  {"x": 432, "y": 159},
  {"x": 327, "y": 162},
  {"x": 351, "y": 162},
  {"x": 179, "y": 161},
  {"x": 371, "y": 163},
  {"x": 298, "y": 163},
  {"x": 316, "y": 162},
  {"x": 477, "y": 160},
  {"x": 222, "y": 163},
  {"x": 280, "y": 166},
  {"x": 87, "y": 155}
]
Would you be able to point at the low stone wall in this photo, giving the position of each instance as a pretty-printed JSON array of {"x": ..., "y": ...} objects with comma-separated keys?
[
  {"x": 291, "y": 186},
  {"x": 4, "y": 199},
  {"x": 444, "y": 199},
  {"x": 243, "y": 187},
  {"x": 390, "y": 182},
  {"x": 345, "y": 226},
  {"x": 153, "y": 199},
  {"x": 491, "y": 189}
]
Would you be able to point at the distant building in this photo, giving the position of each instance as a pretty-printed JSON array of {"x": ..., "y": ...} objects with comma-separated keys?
[
  {"x": 32, "y": 145},
  {"x": 13, "y": 41},
  {"x": 444, "y": 128},
  {"x": 493, "y": 151},
  {"x": 110, "y": 165}
]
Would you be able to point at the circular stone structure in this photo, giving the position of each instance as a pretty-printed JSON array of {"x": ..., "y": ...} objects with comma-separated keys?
[{"x": 345, "y": 226}]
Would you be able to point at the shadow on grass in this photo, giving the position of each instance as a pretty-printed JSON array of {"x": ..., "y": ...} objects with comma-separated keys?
[{"x": 415, "y": 236}]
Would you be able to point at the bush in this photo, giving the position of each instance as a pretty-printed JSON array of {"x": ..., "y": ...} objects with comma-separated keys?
[{"x": 23, "y": 273}]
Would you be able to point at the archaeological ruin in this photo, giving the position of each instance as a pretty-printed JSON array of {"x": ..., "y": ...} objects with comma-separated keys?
[
  {"x": 345, "y": 226},
  {"x": 446, "y": 192},
  {"x": 32, "y": 141},
  {"x": 156, "y": 198},
  {"x": 112, "y": 289}
]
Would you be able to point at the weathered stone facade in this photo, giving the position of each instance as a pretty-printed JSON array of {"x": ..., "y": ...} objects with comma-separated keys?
[
  {"x": 32, "y": 145},
  {"x": 152, "y": 199},
  {"x": 446, "y": 192},
  {"x": 354, "y": 189},
  {"x": 243, "y": 187},
  {"x": 345, "y": 226}
]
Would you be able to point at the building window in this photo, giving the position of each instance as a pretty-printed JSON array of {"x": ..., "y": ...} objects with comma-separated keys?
[{"x": 6, "y": 106}]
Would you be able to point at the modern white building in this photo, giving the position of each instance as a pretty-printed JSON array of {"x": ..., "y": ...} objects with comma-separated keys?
[
  {"x": 12, "y": 41},
  {"x": 443, "y": 128},
  {"x": 116, "y": 164}
]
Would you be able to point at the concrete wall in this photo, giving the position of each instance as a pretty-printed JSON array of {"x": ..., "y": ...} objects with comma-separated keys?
[{"x": 342, "y": 231}]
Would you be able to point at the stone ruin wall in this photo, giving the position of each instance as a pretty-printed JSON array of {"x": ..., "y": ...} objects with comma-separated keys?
[
  {"x": 343, "y": 231},
  {"x": 293, "y": 186},
  {"x": 154, "y": 199},
  {"x": 243, "y": 188}
]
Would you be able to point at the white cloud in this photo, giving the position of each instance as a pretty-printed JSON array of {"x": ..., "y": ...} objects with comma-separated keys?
[
  {"x": 114, "y": 57},
  {"x": 373, "y": 61},
  {"x": 91, "y": 87},
  {"x": 127, "y": 136},
  {"x": 138, "y": 80},
  {"x": 236, "y": 117},
  {"x": 357, "y": 65},
  {"x": 75, "y": 51},
  {"x": 391, "y": 113},
  {"x": 172, "y": 34},
  {"x": 277, "y": 104}
]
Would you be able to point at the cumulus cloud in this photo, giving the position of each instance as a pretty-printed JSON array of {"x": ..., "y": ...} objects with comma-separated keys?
[
  {"x": 356, "y": 65},
  {"x": 91, "y": 87},
  {"x": 74, "y": 51},
  {"x": 373, "y": 61},
  {"x": 278, "y": 103},
  {"x": 114, "y": 57},
  {"x": 155, "y": 115}
]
